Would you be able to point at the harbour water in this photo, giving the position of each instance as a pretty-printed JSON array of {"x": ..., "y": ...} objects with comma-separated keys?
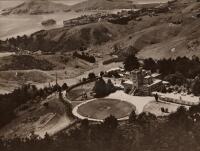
[{"x": 14, "y": 25}]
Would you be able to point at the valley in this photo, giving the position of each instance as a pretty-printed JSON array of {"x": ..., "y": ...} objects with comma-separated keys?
[{"x": 139, "y": 59}]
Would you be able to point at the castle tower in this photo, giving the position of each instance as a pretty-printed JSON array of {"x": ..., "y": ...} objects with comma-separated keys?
[{"x": 137, "y": 78}]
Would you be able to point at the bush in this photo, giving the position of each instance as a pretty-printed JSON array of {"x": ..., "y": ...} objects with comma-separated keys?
[
  {"x": 131, "y": 63},
  {"x": 85, "y": 57},
  {"x": 179, "y": 117},
  {"x": 196, "y": 86},
  {"x": 176, "y": 78},
  {"x": 85, "y": 124},
  {"x": 132, "y": 117},
  {"x": 100, "y": 88},
  {"x": 110, "y": 122},
  {"x": 46, "y": 104},
  {"x": 64, "y": 86},
  {"x": 145, "y": 118},
  {"x": 91, "y": 75}
]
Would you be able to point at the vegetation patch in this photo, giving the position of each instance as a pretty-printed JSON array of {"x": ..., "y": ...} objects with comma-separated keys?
[{"x": 25, "y": 62}]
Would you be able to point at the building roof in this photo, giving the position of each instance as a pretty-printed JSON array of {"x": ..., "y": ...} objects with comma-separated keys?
[
  {"x": 155, "y": 82},
  {"x": 127, "y": 73},
  {"x": 128, "y": 82},
  {"x": 147, "y": 77},
  {"x": 154, "y": 75},
  {"x": 115, "y": 69},
  {"x": 165, "y": 82}
]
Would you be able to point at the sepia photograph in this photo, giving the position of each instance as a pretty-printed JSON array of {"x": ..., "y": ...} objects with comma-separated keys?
[{"x": 99, "y": 75}]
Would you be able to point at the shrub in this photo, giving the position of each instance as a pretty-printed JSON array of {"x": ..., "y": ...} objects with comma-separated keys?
[
  {"x": 100, "y": 88},
  {"x": 132, "y": 117},
  {"x": 85, "y": 57},
  {"x": 131, "y": 63},
  {"x": 91, "y": 75},
  {"x": 110, "y": 122},
  {"x": 64, "y": 86}
]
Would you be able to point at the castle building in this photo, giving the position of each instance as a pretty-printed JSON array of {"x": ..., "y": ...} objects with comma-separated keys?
[{"x": 143, "y": 81}]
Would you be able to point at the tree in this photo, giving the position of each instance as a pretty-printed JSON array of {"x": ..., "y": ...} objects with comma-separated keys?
[
  {"x": 146, "y": 118},
  {"x": 56, "y": 87},
  {"x": 196, "y": 86},
  {"x": 150, "y": 64},
  {"x": 163, "y": 89},
  {"x": 130, "y": 50},
  {"x": 64, "y": 86},
  {"x": 195, "y": 109},
  {"x": 110, "y": 122},
  {"x": 182, "y": 65},
  {"x": 91, "y": 75},
  {"x": 177, "y": 78},
  {"x": 101, "y": 74},
  {"x": 46, "y": 104},
  {"x": 85, "y": 124},
  {"x": 166, "y": 66},
  {"x": 131, "y": 63},
  {"x": 132, "y": 117},
  {"x": 110, "y": 86},
  {"x": 100, "y": 88},
  {"x": 180, "y": 117}
]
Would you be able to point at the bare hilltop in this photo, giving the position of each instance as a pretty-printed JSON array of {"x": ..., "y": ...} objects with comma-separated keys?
[
  {"x": 102, "y": 5},
  {"x": 163, "y": 31},
  {"x": 35, "y": 7}
]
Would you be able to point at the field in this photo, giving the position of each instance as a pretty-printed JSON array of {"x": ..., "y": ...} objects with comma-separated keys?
[
  {"x": 16, "y": 69},
  {"x": 155, "y": 108},
  {"x": 102, "y": 108}
]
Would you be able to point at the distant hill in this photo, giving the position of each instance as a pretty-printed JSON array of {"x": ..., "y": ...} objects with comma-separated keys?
[
  {"x": 114, "y": 4},
  {"x": 102, "y": 5},
  {"x": 169, "y": 34},
  {"x": 35, "y": 7},
  {"x": 69, "y": 39}
]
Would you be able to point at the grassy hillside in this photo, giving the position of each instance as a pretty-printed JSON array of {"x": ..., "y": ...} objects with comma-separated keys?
[
  {"x": 170, "y": 33},
  {"x": 179, "y": 131},
  {"x": 69, "y": 39},
  {"x": 37, "y": 7},
  {"x": 102, "y": 5},
  {"x": 24, "y": 62}
]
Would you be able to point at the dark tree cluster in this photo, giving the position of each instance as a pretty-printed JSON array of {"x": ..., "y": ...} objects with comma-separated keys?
[
  {"x": 101, "y": 88},
  {"x": 91, "y": 75},
  {"x": 15, "y": 41},
  {"x": 176, "y": 78},
  {"x": 189, "y": 68},
  {"x": 27, "y": 93},
  {"x": 150, "y": 64},
  {"x": 34, "y": 42},
  {"x": 5, "y": 46},
  {"x": 179, "y": 131},
  {"x": 196, "y": 86},
  {"x": 85, "y": 57},
  {"x": 27, "y": 62},
  {"x": 121, "y": 20},
  {"x": 178, "y": 71},
  {"x": 131, "y": 62}
]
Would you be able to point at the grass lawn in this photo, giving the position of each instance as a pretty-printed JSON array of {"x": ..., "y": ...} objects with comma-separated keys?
[{"x": 102, "y": 108}]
